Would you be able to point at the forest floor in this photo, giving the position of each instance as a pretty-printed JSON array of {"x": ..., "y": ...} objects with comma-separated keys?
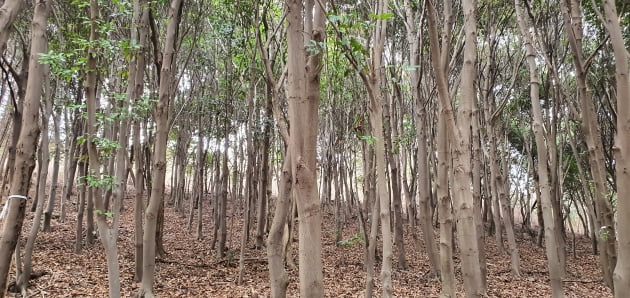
[{"x": 192, "y": 270}]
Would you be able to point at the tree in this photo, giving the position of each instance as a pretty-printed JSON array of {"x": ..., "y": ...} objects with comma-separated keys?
[
  {"x": 553, "y": 256},
  {"x": 460, "y": 137},
  {"x": 159, "y": 156},
  {"x": 27, "y": 144},
  {"x": 621, "y": 275},
  {"x": 571, "y": 13},
  {"x": 415, "y": 37},
  {"x": 303, "y": 98}
]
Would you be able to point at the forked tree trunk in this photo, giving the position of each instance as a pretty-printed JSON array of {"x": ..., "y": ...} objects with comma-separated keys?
[
  {"x": 27, "y": 142},
  {"x": 159, "y": 152},
  {"x": 372, "y": 82},
  {"x": 460, "y": 135},
  {"x": 303, "y": 98},
  {"x": 572, "y": 12},
  {"x": 108, "y": 236},
  {"x": 553, "y": 256}
]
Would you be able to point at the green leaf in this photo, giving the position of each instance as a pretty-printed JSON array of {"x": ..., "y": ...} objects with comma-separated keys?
[
  {"x": 383, "y": 16},
  {"x": 368, "y": 139},
  {"x": 334, "y": 18}
]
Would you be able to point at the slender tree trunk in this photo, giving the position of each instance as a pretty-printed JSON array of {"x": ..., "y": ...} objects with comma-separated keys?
[
  {"x": 571, "y": 11},
  {"x": 23, "y": 279},
  {"x": 303, "y": 98},
  {"x": 277, "y": 272},
  {"x": 223, "y": 199},
  {"x": 460, "y": 135},
  {"x": 72, "y": 158},
  {"x": 553, "y": 257},
  {"x": 415, "y": 39},
  {"x": 621, "y": 275},
  {"x": 108, "y": 236},
  {"x": 251, "y": 190},
  {"x": 27, "y": 141},
  {"x": 394, "y": 176},
  {"x": 477, "y": 200},
  {"x": 445, "y": 213},
  {"x": 50, "y": 206},
  {"x": 371, "y": 250},
  {"x": 264, "y": 174},
  {"x": 506, "y": 210},
  {"x": 82, "y": 194},
  {"x": 140, "y": 7},
  {"x": 159, "y": 154}
]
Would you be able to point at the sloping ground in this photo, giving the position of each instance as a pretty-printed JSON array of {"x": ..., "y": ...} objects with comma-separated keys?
[{"x": 192, "y": 270}]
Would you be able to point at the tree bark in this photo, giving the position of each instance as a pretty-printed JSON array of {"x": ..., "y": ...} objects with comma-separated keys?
[
  {"x": 8, "y": 12},
  {"x": 621, "y": 275},
  {"x": 277, "y": 272},
  {"x": 159, "y": 152},
  {"x": 141, "y": 22},
  {"x": 23, "y": 279},
  {"x": 553, "y": 256},
  {"x": 303, "y": 98},
  {"x": 27, "y": 143},
  {"x": 50, "y": 205},
  {"x": 571, "y": 12},
  {"x": 460, "y": 136},
  {"x": 423, "y": 191}
]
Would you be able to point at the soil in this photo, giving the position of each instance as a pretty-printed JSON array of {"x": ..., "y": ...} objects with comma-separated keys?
[{"x": 191, "y": 268}]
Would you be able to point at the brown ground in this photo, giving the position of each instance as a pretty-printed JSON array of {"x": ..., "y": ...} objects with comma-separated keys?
[{"x": 192, "y": 270}]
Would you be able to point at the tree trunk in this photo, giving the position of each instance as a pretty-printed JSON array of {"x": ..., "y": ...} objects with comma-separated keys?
[
  {"x": 264, "y": 174},
  {"x": 141, "y": 25},
  {"x": 460, "y": 136},
  {"x": 82, "y": 194},
  {"x": 415, "y": 39},
  {"x": 8, "y": 12},
  {"x": 223, "y": 199},
  {"x": 445, "y": 213},
  {"x": 371, "y": 249},
  {"x": 50, "y": 206},
  {"x": 72, "y": 159},
  {"x": 553, "y": 257},
  {"x": 277, "y": 272},
  {"x": 571, "y": 12},
  {"x": 389, "y": 110},
  {"x": 107, "y": 235},
  {"x": 621, "y": 275},
  {"x": 303, "y": 99},
  {"x": 159, "y": 152},
  {"x": 23, "y": 279},
  {"x": 27, "y": 142}
]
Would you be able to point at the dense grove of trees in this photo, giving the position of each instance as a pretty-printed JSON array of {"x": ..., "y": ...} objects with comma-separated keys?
[{"x": 450, "y": 121}]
